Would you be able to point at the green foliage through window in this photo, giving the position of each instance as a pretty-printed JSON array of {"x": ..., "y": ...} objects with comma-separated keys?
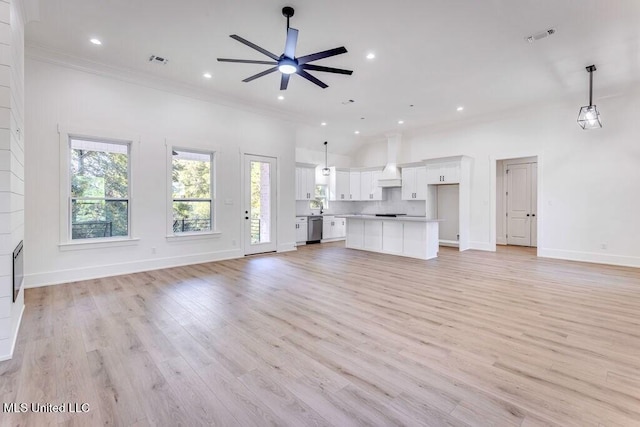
[
  {"x": 191, "y": 188},
  {"x": 99, "y": 189}
]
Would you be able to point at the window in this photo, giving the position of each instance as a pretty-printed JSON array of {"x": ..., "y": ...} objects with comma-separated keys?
[
  {"x": 320, "y": 201},
  {"x": 99, "y": 189},
  {"x": 192, "y": 184}
]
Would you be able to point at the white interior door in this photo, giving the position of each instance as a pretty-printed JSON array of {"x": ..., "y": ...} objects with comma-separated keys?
[
  {"x": 519, "y": 204},
  {"x": 449, "y": 211},
  {"x": 259, "y": 204},
  {"x": 534, "y": 204}
]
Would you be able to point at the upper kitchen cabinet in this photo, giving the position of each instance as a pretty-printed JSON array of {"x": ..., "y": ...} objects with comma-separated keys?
[
  {"x": 369, "y": 188},
  {"x": 414, "y": 182},
  {"x": 446, "y": 172},
  {"x": 305, "y": 181},
  {"x": 339, "y": 188},
  {"x": 354, "y": 185}
]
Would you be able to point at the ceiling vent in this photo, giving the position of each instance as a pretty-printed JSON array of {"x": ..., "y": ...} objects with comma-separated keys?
[
  {"x": 158, "y": 59},
  {"x": 541, "y": 35}
]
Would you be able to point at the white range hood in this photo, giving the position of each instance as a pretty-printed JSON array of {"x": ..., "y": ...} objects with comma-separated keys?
[{"x": 391, "y": 176}]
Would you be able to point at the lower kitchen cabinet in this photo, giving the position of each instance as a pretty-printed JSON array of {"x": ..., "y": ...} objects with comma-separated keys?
[
  {"x": 301, "y": 230},
  {"x": 334, "y": 228}
]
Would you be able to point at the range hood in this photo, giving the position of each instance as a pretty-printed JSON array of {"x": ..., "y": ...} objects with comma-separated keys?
[{"x": 391, "y": 176}]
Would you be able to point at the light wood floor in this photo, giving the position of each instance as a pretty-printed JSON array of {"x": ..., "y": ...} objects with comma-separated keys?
[{"x": 330, "y": 336}]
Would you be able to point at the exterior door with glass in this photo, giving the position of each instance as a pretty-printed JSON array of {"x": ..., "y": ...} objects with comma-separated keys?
[{"x": 259, "y": 214}]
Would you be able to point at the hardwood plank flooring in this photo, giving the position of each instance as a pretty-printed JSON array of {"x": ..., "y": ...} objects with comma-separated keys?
[{"x": 331, "y": 336}]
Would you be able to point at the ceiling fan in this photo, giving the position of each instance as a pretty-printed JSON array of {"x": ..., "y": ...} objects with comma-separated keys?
[{"x": 288, "y": 63}]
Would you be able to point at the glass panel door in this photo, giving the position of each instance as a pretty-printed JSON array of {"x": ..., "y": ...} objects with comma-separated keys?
[{"x": 260, "y": 173}]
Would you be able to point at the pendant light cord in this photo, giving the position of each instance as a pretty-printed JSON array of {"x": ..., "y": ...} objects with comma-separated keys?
[{"x": 326, "y": 163}]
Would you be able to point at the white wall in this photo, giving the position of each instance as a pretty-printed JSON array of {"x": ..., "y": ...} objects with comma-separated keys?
[
  {"x": 11, "y": 166},
  {"x": 590, "y": 180},
  {"x": 58, "y": 95}
]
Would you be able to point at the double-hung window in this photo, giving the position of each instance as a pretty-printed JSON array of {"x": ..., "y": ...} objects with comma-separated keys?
[
  {"x": 192, "y": 191},
  {"x": 100, "y": 190}
]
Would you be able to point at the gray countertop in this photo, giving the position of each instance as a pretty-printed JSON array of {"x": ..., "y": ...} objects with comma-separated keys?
[{"x": 404, "y": 218}]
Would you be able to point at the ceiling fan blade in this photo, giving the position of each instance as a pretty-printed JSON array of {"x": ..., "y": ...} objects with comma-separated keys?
[
  {"x": 264, "y": 73},
  {"x": 326, "y": 69},
  {"x": 290, "y": 45},
  {"x": 284, "y": 81},
  {"x": 321, "y": 55},
  {"x": 312, "y": 79},
  {"x": 254, "y": 46},
  {"x": 247, "y": 61}
]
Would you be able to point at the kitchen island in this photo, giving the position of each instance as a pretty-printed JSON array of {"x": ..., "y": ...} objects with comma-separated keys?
[{"x": 415, "y": 237}]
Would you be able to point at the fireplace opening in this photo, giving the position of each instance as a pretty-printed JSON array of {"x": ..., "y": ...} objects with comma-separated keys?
[{"x": 18, "y": 270}]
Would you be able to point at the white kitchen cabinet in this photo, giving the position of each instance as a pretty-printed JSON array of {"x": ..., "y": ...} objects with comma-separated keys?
[
  {"x": 301, "y": 230},
  {"x": 410, "y": 237},
  {"x": 305, "y": 183},
  {"x": 354, "y": 186},
  {"x": 414, "y": 183},
  {"x": 355, "y": 234},
  {"x": 443, "y": 173},
  {"x": 369, "y": 189},
  {"x": 333, "y": 228},
  {"x": 339, "y": 189},
  {"x": 373, "y": 236}
]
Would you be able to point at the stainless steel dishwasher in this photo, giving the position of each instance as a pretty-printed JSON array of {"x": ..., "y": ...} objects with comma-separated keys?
[{"x": 314, "y": 231}]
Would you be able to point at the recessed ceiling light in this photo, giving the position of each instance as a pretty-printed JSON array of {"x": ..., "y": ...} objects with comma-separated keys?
[
  {"x": 357, "y": 132},
  {"x": 207, "y": 75},
  {"x": 400, "y": 122},
  {"x": 460, "y": 108},
  {"x": 323, "y": 124},
  {"x": 280, "y": 97},
  {"x": 371, "y": 55},
  {"x": 95, "y": 41}
]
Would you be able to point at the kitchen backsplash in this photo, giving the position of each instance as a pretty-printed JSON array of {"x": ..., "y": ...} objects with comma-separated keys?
[{"x": 393, "y": 203}]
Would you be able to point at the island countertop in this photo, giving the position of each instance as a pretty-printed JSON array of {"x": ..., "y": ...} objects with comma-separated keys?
[{"x": 403, "y": 218}]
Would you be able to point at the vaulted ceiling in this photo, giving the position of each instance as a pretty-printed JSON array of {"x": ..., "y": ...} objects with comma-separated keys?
[{"x": 432, "y": 56}]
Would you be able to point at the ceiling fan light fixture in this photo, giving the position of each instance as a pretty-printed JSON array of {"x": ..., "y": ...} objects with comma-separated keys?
[
  {"x": 287, "y": 66},
  {"x": 589, "y": 117}
]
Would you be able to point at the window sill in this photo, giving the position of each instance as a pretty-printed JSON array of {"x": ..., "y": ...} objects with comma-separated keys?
[
  {"x": 193, "y": 236},
  {"x": 97, "y": 244}
]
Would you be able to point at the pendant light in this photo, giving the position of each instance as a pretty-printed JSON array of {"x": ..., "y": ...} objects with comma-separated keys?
[
  {"x": 589, "y": 117},
  {"x": 326, "y": 171}
]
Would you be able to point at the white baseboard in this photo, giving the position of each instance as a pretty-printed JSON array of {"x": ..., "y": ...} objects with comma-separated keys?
[
  {"x": 597, "y": 258},
  {"x": 7, "y": 353},
  {"x": 337, "y": 239},
  {"x": 287, "y": 247},
  {"x": 481, "y": 246},
  {"x": 64, "y": 276}
]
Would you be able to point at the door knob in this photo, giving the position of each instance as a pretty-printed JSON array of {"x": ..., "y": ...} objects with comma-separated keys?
[
  {"x": 528, "y": 215},
  {"x": 246, "y": 217},
  {"x": 533, "y": 214}
]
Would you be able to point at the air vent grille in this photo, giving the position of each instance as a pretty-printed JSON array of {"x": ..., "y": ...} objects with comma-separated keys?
[
  {"x": 158, "y": 59},
  {"x": 541, "y": 35}
]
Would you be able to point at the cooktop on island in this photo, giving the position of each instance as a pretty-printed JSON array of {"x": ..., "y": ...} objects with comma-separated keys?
[{"x": 390, "y": 214}]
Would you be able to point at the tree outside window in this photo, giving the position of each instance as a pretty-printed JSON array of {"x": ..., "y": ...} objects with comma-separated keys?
[
  {"x": 191, "y": 178},
  {"x": 99, "y": 189}
]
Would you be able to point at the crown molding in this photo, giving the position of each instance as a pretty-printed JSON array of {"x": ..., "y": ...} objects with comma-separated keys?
[{"x": 44, "y": 54}]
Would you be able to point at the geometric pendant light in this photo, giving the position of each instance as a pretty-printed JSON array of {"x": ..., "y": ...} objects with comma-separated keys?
[
  {"x": 589, "y": 117},
  {"x": 326, "y": 171}
]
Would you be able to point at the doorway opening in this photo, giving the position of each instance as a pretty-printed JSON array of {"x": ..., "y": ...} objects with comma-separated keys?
[
  {"x": 259, "y": 204},
  {"x": 517, "y": 201}
]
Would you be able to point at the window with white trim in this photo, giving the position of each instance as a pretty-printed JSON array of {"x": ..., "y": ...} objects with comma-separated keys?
[
  {"x": 100, "y": 193},
  {"x": 192, "y": 191}
]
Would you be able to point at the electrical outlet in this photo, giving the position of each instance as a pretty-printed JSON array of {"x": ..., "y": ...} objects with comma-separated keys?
[
  {"x": 233, "y": 243},
  {"x": 153, "y": 250},
  {"x": 603, "y": 246}
]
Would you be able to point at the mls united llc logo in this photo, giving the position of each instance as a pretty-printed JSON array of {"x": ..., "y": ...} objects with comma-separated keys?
[{"x": 71, "y": 408}]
